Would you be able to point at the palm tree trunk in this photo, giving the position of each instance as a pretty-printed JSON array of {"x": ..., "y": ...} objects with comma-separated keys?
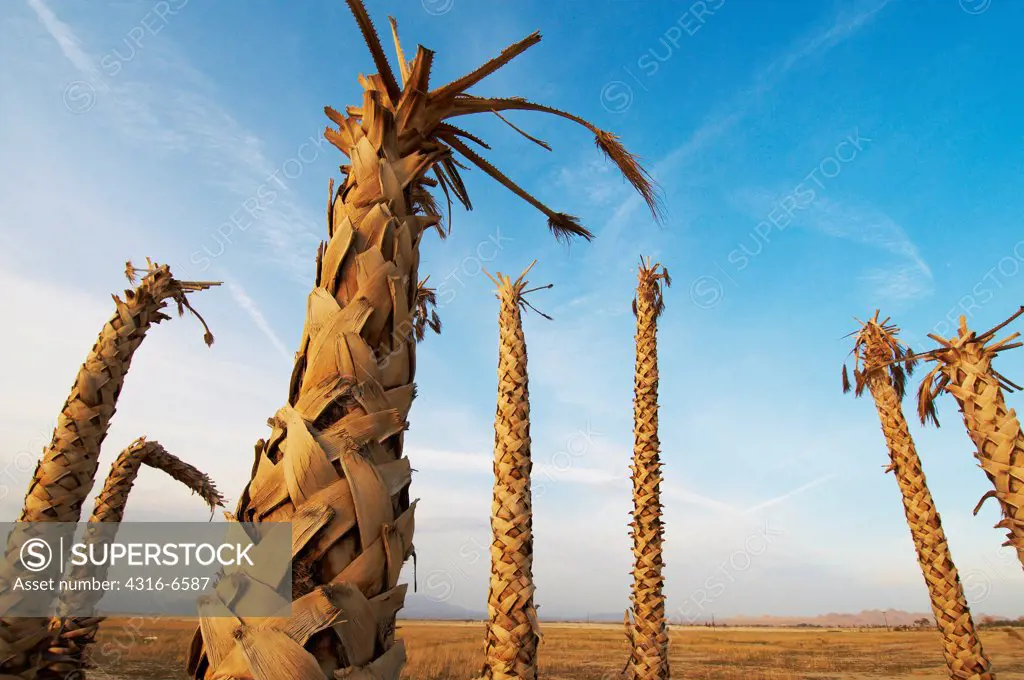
[
  {"x": 994, "y": 428},
  {"x": 65, "y": 475},
  {"x": 67, "y": 655},
  {"x": 333, "y": 464},
  {"x": 646, "y": 625},
  {"x": 961, "y": 647},
  {"x": 512, "y": 632}
]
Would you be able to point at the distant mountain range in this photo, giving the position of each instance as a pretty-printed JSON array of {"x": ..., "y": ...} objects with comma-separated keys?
[{"x": 423, "y": 608}]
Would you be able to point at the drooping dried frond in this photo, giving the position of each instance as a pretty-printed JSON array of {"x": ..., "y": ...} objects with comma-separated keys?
[
  {"x": 418, "y": 114},
  {"x": 876, "y": 348},
  {"x": 631, "y": 169},
  {"x": 929, "y": 389},
  {"x": 425, "y": 315}
]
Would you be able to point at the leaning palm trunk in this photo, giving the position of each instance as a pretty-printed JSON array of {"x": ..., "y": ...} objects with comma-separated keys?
[
  {"x": 886, "y": 362},
  {"x": 964, "y": 368},
  {"x": 77, "y": 633},
  {"x": 333, "y": 463},
  {"x": 65, "y": 475},
  {"x": 512, "y": 632},
  {"x": 646, "y": 627}
]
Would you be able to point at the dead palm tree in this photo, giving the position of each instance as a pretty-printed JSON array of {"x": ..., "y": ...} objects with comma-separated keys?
[
  {"x": 76, "y": 633},
  {"x": 964, "y": 369},
  {"x": 646, "y": 627},
  {"x": 881, "y": 364},
  {"x": 65, "y": 474},
  {"x": 333, "y": 462},
  {"x": 512, "y": 632}
]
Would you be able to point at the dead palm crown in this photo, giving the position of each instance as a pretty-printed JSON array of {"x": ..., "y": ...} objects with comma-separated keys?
[
  {"x": 881, "y": 364},
  {"x": 646, "y": 626},
  {"x": 333, "y": 462},
  {"x": 963, "y": 367},
  {"x": 78, "y": 632},
  {"x": 66, "y": 472},
  {"x": 512, "y": 633}
]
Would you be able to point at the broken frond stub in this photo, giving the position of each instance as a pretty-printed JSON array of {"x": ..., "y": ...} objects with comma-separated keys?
[
  {"x": 425, "y": 314},
  {"x": 516, "y": 290},
  {"x": 160, "y": 284},
  {"x": 877, "y": 348},
  {"x": 650, "y": 280}
]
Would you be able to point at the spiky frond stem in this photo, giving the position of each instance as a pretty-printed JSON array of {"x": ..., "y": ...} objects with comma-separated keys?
[
  {"x": 66, "y": 472},
  {"x": 68, "y": 656},
  {"x": 647, "y": 628},
  {"x": 961, "y": 647},
  {"x": 964, "y": 370},
  {"x": 512, "y": 633}
]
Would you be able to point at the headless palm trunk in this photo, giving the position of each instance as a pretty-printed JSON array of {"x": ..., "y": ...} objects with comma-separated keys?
[
  {"x": 75, "y": 634},
  {"x": 964, "y": 369},
  {"x": 64, "y": 476},
  {"x": 880, "y": 353},
  {"x": 333, "y": 463},
  {"x": 645, "y": 624},
  {"x": 512, "y": 632}
]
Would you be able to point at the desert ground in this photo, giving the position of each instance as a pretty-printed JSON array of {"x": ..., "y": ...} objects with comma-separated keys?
[{"x": 134, "y": 649}]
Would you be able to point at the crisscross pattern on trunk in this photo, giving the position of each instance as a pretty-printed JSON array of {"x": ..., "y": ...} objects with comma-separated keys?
[
  {"x": 65, "y": 474},
  {"x": 646, "y": 625},
  {"x": 961, "y": 647},
  {"x": 512, "y": 636},
  {"x": 66, "y": 657},
  {"x": 333, "y": 463},
  {"x": 995, "y": 430}
]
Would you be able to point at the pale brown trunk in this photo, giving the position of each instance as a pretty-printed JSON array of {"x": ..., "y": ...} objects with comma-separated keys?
[
  {"x": 66, "y": 472},
  {"x": 965, "y": 658},
  {"x": 646, "y": 625},
  {"x": 333, "y": 464},
  {"x": 512, "y": 632},
  {"x": 994, "y": 428},
  {"x": 67, "y": 657}
]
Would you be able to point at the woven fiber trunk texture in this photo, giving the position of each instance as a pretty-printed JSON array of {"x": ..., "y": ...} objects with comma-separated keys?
[{"x": 646, "y": 624}]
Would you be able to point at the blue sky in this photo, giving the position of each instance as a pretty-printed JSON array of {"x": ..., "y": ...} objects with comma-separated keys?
[{"x": 818, "y": 160}]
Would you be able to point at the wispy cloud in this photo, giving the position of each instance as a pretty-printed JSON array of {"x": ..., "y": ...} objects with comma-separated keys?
[
  {"x": 176, "y": 111},
  {"x": 909, "y": 278},
  {"x": 250, "y": 307},
  {"x": 789, "y": 494},
  {"x": 725, "y": 118}
]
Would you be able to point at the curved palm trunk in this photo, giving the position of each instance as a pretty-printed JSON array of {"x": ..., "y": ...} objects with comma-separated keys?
[
  {"x": 64, "y": 476},
  {"x": 965, "y": 362},
  {"x": 333, "y": 463},
  {"x": 646, "y": 626},
  {"x": 965, "y": 658},
  {"x": 512, "y": 631},
  {"x": 76, "y": 634}
]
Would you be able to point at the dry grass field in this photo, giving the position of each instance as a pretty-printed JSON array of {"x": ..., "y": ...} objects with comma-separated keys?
[{"x": 153, "y": 650}]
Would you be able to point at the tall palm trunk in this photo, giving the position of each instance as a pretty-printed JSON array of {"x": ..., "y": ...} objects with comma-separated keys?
[
  {"x": 64, "y": 476},
  {"x": 333, "y": 462},
  {"x": 512, "y": 633},
  {"x": 965, "y": 365},
  {"x": 646, "y": 626},
  {"x": 880, "y": 352},
  {"x": 75, "y": 634}
]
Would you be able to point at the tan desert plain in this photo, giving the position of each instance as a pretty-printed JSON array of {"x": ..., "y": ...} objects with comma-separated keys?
[{"x": 332, "y": 463}]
